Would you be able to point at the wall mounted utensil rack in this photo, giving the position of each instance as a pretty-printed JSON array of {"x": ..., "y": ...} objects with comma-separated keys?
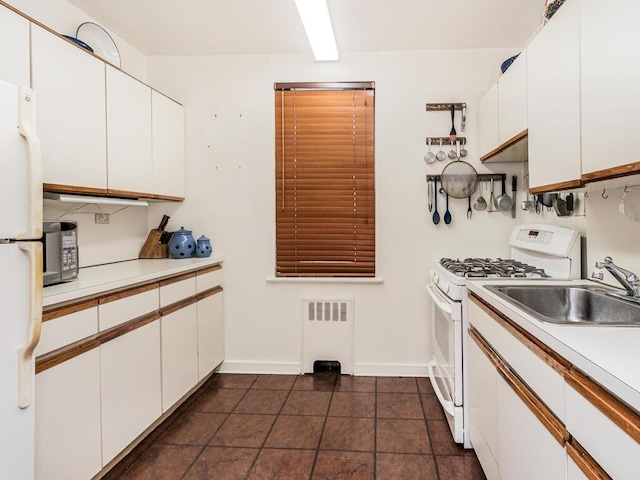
[
  {"x": 482, "y": 177},
  {"x": 435, "y": 141},
  {"x": 436, "y": 107}
]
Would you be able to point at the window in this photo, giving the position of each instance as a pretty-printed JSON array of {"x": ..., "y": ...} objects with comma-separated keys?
[{"x": 325, "y": 188}]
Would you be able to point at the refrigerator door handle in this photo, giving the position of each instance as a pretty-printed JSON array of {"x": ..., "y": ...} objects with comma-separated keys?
[
  {"x": 26, "y": 127},
  {"x": 25, "y": 353}
]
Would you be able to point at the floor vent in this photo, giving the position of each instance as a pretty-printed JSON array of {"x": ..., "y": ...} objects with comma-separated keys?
[
  {"x": 326, "y": 366},
  {"x": 327, "y": 327}
]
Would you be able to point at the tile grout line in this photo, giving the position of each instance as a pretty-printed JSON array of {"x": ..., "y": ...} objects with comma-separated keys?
[
  {"x": 324, "y": 424},
  {"x": 426, "y": 424},
  {"x": 255, "y": 460},
  {"x": 204, "y": 447},
  {"x": 375, "y": 428}
]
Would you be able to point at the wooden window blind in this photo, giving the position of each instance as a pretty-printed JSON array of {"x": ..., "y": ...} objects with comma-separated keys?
[{"x": 325, "y": 188}]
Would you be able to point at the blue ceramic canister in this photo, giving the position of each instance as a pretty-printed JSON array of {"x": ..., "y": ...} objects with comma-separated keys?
[
  {"x": 182, "y": 244},
  {"x": 203, "y": 247}
]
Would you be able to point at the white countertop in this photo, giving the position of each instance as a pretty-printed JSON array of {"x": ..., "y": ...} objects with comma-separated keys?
[
  {"x": 102, "y": 278},
  {"x": 609, "y": 355}
]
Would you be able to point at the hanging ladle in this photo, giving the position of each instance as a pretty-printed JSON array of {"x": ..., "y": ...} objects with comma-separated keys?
[
  {"x": 436, "y": 215},
  {"x": 481, "y": 203}
]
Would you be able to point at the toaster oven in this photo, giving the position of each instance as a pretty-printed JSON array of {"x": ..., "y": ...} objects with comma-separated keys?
[{"x": 60, "y": 252}]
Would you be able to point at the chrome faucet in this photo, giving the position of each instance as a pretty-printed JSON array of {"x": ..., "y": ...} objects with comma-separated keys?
[{"x": 627, "y": 279}]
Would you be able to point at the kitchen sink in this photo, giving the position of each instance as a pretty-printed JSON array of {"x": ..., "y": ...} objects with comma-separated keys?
[{"x": 571, "y": 305}]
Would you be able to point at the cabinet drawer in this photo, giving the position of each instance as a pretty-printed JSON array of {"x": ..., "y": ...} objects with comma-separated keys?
[
  {"x": 67, "y": 329},
  {"x": 518, "y": 351},
  {"x": 172, "y": 291},
  {"x": 613, "y": 448},
  {"x": 208, "y": 279},
  {"x": 122, "y": 307}
]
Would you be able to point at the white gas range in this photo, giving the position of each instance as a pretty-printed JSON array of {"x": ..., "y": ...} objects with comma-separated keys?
[{"x": 537, "y": 252}]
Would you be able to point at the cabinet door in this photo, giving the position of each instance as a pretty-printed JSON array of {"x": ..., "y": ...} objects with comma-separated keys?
[
  {"x": 488, "y": 121},
  {"x": 210, "y": 333},
  {"x": 483, "y": 413},
  {"x": 610, "y": 83},
  {"x": 527, "y": 450},
  {"x": 179, "y": 354},
  {"x": 512, "y": 99},
  {"x": 14, "y": 48},
  {"x": 553, "y": 87},
  {"x": 130, "y": 387},
  {"x": 129, "y": 160},
  {"x": 69, "y": 85},
  {"x": 68, "y": 442},
  {"x": 168, "y": 146}
]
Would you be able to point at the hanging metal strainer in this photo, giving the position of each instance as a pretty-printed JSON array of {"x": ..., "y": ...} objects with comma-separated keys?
[{"x": 459, "y": 179}]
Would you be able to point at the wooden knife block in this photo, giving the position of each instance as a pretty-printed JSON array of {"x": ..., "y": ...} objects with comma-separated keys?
[{"x": 152, "y": 247}]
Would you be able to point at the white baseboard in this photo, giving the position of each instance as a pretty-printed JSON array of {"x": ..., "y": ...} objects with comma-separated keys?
[
  {"x": 389, "y": 370},
  {"x": 282, "y": 368},
  {"x": 294, "y": 368}
]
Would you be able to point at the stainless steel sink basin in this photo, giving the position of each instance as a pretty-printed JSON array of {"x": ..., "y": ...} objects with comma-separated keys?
[{"x": 583, "y": 305}]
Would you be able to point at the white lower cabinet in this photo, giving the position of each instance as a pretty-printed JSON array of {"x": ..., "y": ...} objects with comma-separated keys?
[
  {"x": 528, "y": 451},
  {"x": 130, "y": 387},
  {"x": 210, "y": 333},
  {"x": 68, "y": 441},
  {"x": 179, "y": 354},
  {"x": 483, "y": 394}
]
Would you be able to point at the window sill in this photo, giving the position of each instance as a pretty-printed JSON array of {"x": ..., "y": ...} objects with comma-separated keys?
[{"x": 333, "y": 280}]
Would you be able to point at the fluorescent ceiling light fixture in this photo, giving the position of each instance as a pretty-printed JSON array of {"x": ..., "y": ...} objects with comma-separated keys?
[
  {"x": 317, "y": 24},
  {"x": 125, "y": 202}
]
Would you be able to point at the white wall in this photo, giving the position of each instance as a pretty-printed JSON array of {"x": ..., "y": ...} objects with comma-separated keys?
[
  {"x": 65, "y": 18},
  {"x": 229, "y": 108},
  {"x": 120, "y": 240},
  {"x": 610, "y": 233}
]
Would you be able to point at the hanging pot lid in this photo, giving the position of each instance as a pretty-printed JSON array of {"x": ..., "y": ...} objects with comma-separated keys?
[{"x": 459, "y": 179}]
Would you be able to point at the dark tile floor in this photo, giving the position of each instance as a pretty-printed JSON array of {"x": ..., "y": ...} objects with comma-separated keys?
[{"x": 289, "y": 427}]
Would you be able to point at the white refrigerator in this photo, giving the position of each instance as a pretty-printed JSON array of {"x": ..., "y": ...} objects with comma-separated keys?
[{"x": 20, "y": 278}]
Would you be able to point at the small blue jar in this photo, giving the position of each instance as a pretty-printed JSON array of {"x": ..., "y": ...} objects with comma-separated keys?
[
  {"x": 203, "y": 247},
  {"x": 182, "y": 244}
]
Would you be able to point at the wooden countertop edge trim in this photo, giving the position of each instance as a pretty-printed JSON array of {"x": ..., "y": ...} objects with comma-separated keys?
[
  {"x": 550, "y": 357},
  {"x": 127, "y": 292},
  {"x": 613, "y": 172},
  {"x": 502, "y": 147},
  {"x": 174, "y": 307},
  {"x": 56, "y": 357},
  {"x": 177, "y": 278},
  {"x": 611, "y": 406},
  {"x": 209, "y": 269},
  {"x": 553, "y": 425},
  {"x": 587, "y": 465},
  {"x": 556, "y": 187},
  {"x": 51, "y": 313},
  {"x": 58, "y": 188},
  {"x": 208, "y": 293}
]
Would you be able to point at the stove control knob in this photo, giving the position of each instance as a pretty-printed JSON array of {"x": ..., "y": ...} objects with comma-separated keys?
[
  {"x": 435, "y": 277},
  {"x": 445, "y": 287}
]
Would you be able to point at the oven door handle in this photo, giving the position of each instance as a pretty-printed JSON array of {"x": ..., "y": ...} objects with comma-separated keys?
[
  {"x": 439, "y": 300},
  {"x": 446, "y": 404}
]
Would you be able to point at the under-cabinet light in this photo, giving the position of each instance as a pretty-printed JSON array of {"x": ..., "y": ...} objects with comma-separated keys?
[
  {"x": 317, "y": 24},
  {"x": 63, "y": 197}
]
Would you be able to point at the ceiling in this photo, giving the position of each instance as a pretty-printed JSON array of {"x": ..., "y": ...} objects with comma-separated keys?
[{"x": 262, "y": 27}]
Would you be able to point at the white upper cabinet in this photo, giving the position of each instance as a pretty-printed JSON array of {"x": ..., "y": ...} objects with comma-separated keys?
[
  {"x": 502, "y": 116},
  {"x": 168, "y": 146},
  {"x": 553, "y": 88},
  {"x": 512, "y": 99},
  {"x": 14, "y": 48},
  {"x": 129, "y": 162},
  {"x": 610, "y": 84},
  {"x": 488, "y": 121},
  {"x": 71, "y": 111}
]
